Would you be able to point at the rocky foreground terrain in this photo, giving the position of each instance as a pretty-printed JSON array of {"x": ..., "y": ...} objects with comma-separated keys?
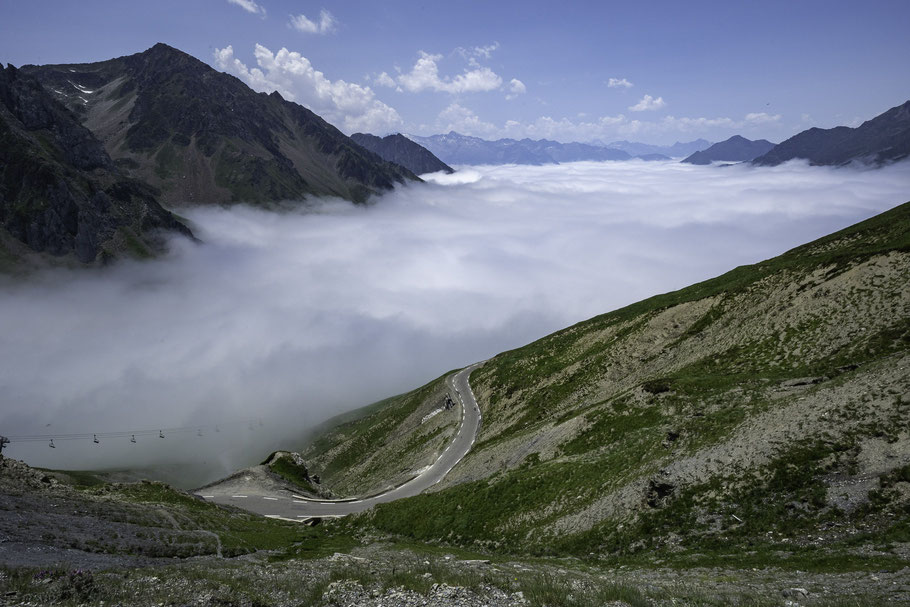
[{"x": 67, "y": 539}]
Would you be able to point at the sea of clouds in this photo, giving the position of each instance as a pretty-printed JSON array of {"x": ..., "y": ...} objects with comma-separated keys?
[{"x": 293, "y": 317}]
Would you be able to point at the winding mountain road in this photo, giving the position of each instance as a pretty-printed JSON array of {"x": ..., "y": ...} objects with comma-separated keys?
[{"x": 289, "y": 506}]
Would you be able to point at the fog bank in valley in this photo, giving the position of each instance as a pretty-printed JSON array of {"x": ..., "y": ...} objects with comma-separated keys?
[{"x": 296, "y": 316}]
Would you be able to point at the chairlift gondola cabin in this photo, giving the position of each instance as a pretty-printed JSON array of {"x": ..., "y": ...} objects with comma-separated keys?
[{"x": 51, "y": 444}]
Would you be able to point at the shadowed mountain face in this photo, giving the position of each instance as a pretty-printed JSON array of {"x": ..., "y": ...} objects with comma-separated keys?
[
  {"x": 60, "y": 192},
  {"x": 884, "y": 139},
  {"x": 202, "y": 136},
  {"x": 462, "y": 149},
  {"x": 401, "y": 150},
  {"x": 734, "y": 149}
]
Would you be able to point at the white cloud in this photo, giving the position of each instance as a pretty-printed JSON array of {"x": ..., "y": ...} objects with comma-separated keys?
[
  {"x": 648, "y": 103},
  {"x": 762, "y": 117},
  {"x": 546, "y": 127},
  {"x": 351, "y": 107},
  {"x": 325, "y": 25},
  {"x": 458, "y": 118},
  {"x": 477, "y": 52},
  {"x": 603, "y": 128},
  {"x": 619, "y": 83},
  {"x": 269, "y": 317},
  {"x": 516, "y": 88},
  {"x": 425, "y": 76},
  {"x": 249, "y": 6},
  {"x": 485, "y": 51},
  {"x": 384, "y": 79},
  {"x": 688, "y": 125}
]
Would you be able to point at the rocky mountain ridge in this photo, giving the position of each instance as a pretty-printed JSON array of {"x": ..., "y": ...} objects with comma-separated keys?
[
  {"x": 60, "y": 192},
  {"x": 734, "y": 149},
  {"x": 881, "y": 140},
  {"x": 399, "y": 149},
  {"x": 203, "y": 136}
]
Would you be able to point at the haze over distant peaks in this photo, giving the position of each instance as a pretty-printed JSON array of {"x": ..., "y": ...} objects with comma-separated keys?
[
  {"x": 455, "y": 148},
  {"x": 884, "y": 139},
  {"x": 202, "y": 136},
  {"x": 677, "y": 150},
  {"x": 399, "y": 149},
  {"x": 734, "y": 149}
]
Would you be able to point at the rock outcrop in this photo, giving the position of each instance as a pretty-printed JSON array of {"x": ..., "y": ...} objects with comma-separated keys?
[
  {"x": 60, "y": 192},
  {"x": 401, "y": 150},
  {"x": 882, "y": 140}
]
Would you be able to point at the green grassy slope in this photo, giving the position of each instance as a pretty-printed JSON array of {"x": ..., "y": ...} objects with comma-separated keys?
[
  {"x": 383, "y": 444},
  {"x": 763, "y": 412}
]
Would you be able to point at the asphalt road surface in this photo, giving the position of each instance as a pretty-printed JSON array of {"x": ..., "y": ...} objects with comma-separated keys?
[{"x": 287, "y": 505}]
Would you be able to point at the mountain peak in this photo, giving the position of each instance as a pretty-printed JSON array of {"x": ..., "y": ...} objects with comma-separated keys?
[
  {"x": 735, "y": 149},
  {"x": 160, "y": 48},
  {"x": 166, "y": 58},
  {"x": 203, "y": 136}
]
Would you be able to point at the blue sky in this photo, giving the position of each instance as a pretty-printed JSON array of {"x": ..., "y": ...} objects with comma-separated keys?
[{"x": 540, "y": 69}]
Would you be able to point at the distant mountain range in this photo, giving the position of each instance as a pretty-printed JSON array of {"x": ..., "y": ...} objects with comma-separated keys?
[
  {"x": 455, "y": 148},
  {"x": 640, "y": 150},
  {"x": 399, "y": 149},
  {"x": 202, "y": 136},
  {"x": 60, "y": 192},
  {"x": 734, "y": 149},
  {"x": 884, "y": 139}
]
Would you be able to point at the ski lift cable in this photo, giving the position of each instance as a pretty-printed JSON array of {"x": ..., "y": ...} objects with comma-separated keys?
[{"x": 198, "y": 430}]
